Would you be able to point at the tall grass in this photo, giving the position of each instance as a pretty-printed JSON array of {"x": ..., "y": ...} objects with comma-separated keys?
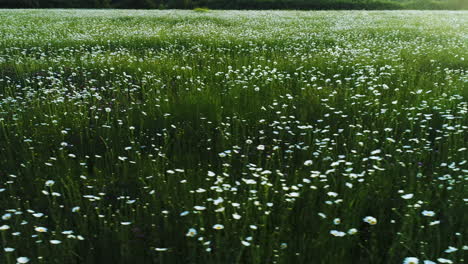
[{"x": 232, "y": 136}]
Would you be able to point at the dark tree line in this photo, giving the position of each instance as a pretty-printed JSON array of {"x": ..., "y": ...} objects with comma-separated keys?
[
  {"x": 56, "y": 3},
  {"x": 238, "y": 4}
]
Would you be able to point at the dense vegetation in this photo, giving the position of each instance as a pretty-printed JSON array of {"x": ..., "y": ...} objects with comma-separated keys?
[
  {"x": 240, "y": 4},
  {"x": 233, "y": 136}
]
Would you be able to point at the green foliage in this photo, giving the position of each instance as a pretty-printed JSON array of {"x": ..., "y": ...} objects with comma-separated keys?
[
  {"x": 201, "y": 9},
  {"x": 424, "y": 4},
  {"x": 240, "y": 4},
  {"x": 436, "y": 4}
]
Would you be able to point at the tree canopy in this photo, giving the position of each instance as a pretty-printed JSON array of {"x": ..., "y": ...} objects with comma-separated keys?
[{"x": 239, "y": 4}]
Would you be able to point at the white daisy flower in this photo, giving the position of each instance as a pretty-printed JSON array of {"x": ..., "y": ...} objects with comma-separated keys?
[
  {"x": 370, "y": 220},
  {"x": 22, "y": 260},
  {"x": 6, "y": 216},
  {"x": 451, "y": 249},
  {"x": 337, "y": 233},
  {"x": 191, "y": 232},
  {"x": 352, "y": 231},
  {"x": 407, "y": 196},
  {"x": 245, "y": 243},
  {"x": 184, "y": 213},
  {"x": 236, "y": 216},
  {"x": 218, "y": 227},
  {"x": 443, "y": 260},
  {"x": 428, "y": 213},
  {"x": 49, "y": 183},
  {"x": 40, "y": 229},
  {"x": 411, "y": 260}
]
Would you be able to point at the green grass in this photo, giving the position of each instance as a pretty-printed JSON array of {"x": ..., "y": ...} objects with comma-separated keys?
[
  {"x": 290, "y": 120},
  {"x": 201, "y": 9}
]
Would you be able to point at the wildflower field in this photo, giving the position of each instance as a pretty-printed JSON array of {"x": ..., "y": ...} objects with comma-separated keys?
[{"x": 233, "y": 136}]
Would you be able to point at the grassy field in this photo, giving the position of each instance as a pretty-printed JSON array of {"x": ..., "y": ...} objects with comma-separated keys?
[{"x": 233, "y": 136}]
